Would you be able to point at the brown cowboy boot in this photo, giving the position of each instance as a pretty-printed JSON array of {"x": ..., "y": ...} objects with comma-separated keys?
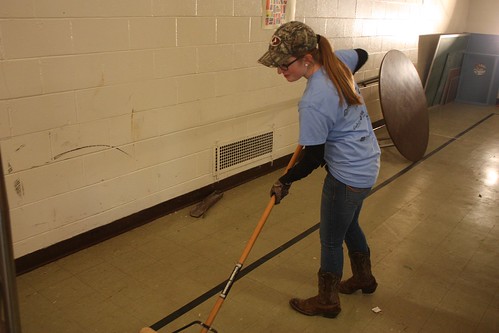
[
  {"x": 362, "y": 276},
  {"x": 326, "y": 303}
]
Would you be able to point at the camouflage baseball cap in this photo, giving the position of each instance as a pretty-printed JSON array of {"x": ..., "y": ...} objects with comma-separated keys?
[{"x": 290, "y": 39}]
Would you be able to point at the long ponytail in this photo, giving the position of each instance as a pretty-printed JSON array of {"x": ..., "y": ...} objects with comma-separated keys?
[{"x": 337, "y": 71}]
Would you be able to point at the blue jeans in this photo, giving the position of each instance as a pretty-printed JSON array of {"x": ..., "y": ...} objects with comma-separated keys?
[{"x": 340, "y": 209}]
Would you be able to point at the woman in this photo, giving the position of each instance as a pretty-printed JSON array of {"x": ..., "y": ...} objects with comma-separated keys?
[{"x": 335, "y": 130}]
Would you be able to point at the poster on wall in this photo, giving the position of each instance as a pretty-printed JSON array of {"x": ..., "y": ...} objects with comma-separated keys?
[{"x": 277, "y": 12}]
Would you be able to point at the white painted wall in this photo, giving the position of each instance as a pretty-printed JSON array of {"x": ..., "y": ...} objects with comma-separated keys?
[
  {"x": 483, "y": 17},
  {"x": 108, "y": 107}
]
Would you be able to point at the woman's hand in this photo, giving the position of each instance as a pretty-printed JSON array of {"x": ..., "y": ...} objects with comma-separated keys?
[{"x": 279, "y": 190}]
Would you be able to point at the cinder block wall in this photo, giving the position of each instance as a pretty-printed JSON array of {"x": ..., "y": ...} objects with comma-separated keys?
[{"x": 109, "y": 107}]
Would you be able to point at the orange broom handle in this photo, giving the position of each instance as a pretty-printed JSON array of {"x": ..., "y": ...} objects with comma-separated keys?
[
  {"x": 214, "y": 311},
  {"x": 267, "y": 211}
]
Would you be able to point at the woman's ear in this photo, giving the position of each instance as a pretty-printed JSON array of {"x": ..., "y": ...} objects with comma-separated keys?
[{"x": 308, "y": 58}]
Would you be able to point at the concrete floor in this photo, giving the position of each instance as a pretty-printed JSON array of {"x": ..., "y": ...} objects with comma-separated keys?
[{"x": 433, "y": 229}]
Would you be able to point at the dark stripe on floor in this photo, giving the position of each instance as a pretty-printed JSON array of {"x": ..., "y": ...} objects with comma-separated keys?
[{"x": 217, "y": 289}]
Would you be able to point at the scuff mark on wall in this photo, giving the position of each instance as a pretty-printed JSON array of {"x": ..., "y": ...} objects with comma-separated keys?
[
  {"x": 135, "y": 125},
  {"x": 18, "y": 185},
  {"x": 20, "y": 147},
  {"x": 89, "y": 146}
]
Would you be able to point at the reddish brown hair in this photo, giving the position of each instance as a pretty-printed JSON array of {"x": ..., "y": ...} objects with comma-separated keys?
[{"x": 337, "y": 71}]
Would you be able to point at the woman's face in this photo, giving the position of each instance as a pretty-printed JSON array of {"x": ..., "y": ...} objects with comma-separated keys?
[{"x": 293, "y": 70}]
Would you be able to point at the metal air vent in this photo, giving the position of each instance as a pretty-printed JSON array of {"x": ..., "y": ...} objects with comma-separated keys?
[{"x": 236, "y": 154}]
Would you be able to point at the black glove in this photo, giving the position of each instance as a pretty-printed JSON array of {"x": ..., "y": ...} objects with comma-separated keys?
[{"x": 279, "y": 190}]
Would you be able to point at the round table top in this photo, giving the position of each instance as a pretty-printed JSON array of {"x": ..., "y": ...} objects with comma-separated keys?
[{"x": 403, "y": 104}]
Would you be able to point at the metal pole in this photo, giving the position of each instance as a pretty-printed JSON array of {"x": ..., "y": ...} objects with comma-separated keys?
[{"x": 366, "y": 82}]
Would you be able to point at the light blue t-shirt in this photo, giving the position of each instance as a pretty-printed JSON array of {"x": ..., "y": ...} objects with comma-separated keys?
[{"x": 351, "y": 151}]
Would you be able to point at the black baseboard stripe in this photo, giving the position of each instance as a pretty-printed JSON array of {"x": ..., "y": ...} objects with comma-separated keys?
[{"x": 72, "y": 245}]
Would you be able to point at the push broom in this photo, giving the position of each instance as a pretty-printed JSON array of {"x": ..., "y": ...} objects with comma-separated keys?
[{"x": 206, "y": 326}]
